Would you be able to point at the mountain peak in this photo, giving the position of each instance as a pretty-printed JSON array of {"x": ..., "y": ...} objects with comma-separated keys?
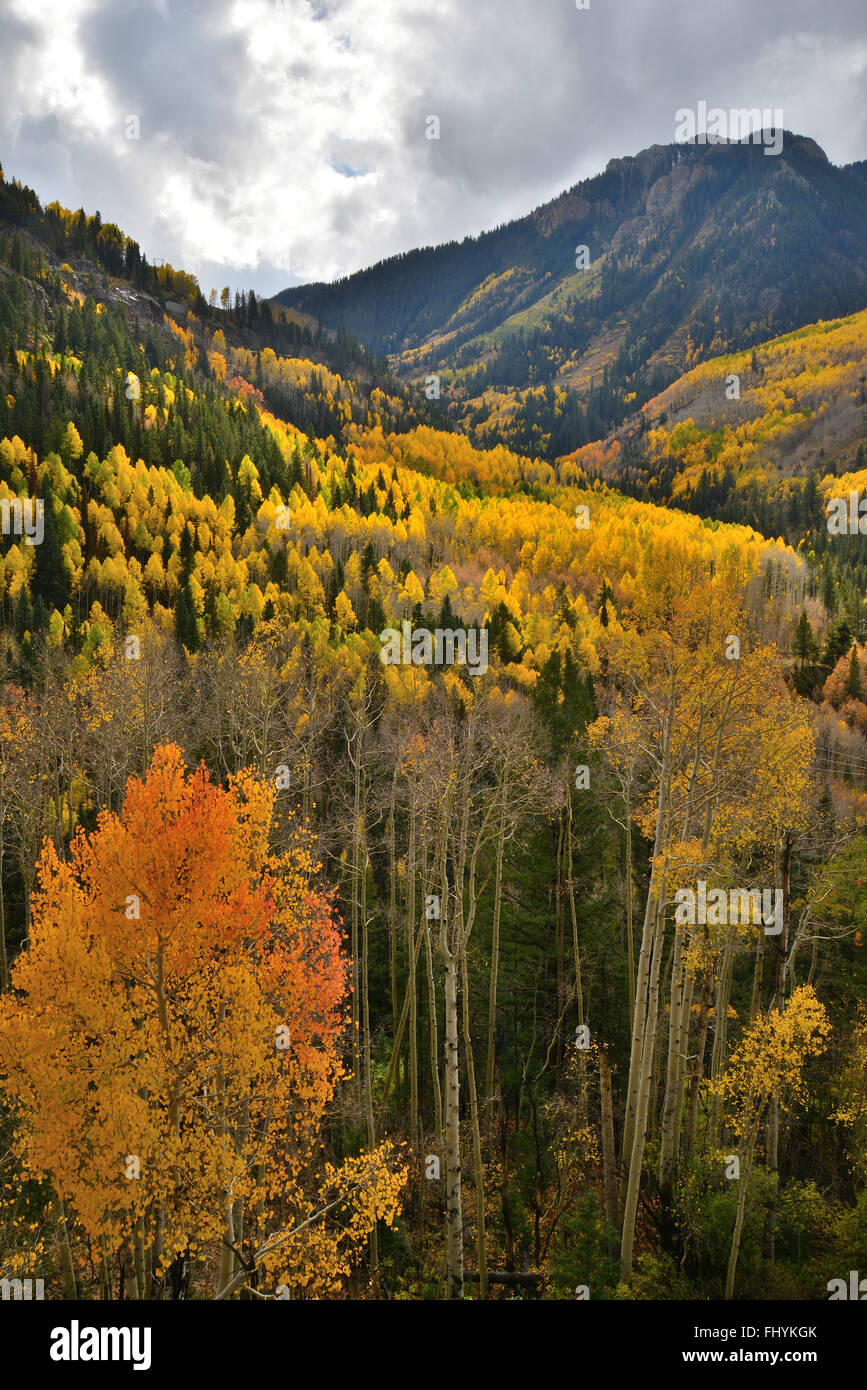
[
  {"x": 652, "y": 156},
  {"x": 558, "y": 326}
]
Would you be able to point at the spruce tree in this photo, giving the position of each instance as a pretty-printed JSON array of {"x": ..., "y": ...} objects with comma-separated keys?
[
  {"x": 853, "y": 679},
  {"x": 50, "y": 581},
  {"x": 23, "y": 613},
  {"x": 804, "y": 641},
  {"x": 279, "y": 566},
  {"x": 186, "y": 625}
]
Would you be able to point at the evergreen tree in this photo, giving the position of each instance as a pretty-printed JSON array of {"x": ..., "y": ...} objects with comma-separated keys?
[
  {"x": 186, "y": 625},
  {"x": 279, "y": 566},
  {"x": 804, "y": 643},
  {"x": 853, "y": 679},
  {"x": 829, "y": 589},
  {"x": 837, "y": 643},
  {"x": 186, "y": 552},
  {"x": 50, "y": 582},
  {"x": 23, "y": 613}
]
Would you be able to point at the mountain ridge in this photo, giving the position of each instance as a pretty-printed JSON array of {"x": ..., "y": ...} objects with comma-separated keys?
[{"x": 690, "y": 249}]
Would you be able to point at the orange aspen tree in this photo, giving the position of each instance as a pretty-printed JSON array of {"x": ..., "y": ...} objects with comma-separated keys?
[{"x": 173, "y": 1039}]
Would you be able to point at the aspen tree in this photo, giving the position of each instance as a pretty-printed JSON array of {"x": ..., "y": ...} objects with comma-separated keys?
[
  {"x": 612, "y": 1196},
  {"x": 362, "y": 703},
  {"x": 495, "y": 952},
  {"x": 412, "y": 985},
  {"x": 691, "y": 692},
  {"x": 520, "y": 788},
  {"x": 618, "y": 736},
  {"x": 155, "y": 1024},
  {"x": 769, "y": 1061}
]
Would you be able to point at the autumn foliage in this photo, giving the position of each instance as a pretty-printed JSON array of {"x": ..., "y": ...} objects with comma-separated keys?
[{"x": 173, "y": 1039}]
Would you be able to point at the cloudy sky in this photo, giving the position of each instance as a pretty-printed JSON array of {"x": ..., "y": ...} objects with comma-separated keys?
[{"x": 287, "y": 140}]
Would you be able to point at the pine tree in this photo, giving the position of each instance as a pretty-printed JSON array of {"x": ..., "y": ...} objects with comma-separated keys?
[
  {"x": 23, "y": 613},
  {"x": 280, "y": 566},
  {"x": 186, "y": 552},
  {"x": 829, "y": 589},
  {"x": 853, "y": 679},
  {"x": 804, "y": 643},
  {"x": 50, "y": 582},
  {"x": 186, "y": 625},
  {"x": 837, "y": 643}
]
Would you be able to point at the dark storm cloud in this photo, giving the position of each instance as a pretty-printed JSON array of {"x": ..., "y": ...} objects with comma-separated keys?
[{"x": 175, "y": 67}]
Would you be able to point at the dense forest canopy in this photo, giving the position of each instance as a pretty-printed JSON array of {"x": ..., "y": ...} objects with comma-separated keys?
[{"x": 324, "y": 975}]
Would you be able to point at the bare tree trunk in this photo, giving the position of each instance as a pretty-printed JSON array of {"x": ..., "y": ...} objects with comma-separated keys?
[
  {"x": 355, "y": 894},
  {"x": 609, "y": 1161},
  {"x": 434, "y": 1031},
  {"x": 681, "y": 989},
  {"x": 579, "y": 992},
  {"x": 392, "y": 910},
  {"x": 106, "y": 1282},
  {"x": 630, "y": 1206},
  {"x": 450, "y": 934},
  {"x": 393, "y": 1065},
  {"x": 560, "y": 964},
  {"x": 454, "y": 1217},
  {"x": 131, "y": 1288},
  {"x": 778, "y": 1003},
  {"x": 746, "y": 1157},
  {"x": 413, "y": 985},
  {"x": 721, "y": 1009},
  {"x": 70, "y": 1290},
  {"x": 365, "y": 1014},
  {"x": 227, "y": 1251},
  {"x": 139, "y": 1258},
  {"x": 698, "y": 1061},
  {"x": 779, "y": 998},
  {"x": 647, "y": 938},
  {"x": 755, "y": 998},
  {"x": 155, "y": 1280},
  {"x": 630, "y": 938},
  {"x": 680, "y": 1007},
  {"x": 478, "y": 1170},
  {"x": 495, "y": 959}
]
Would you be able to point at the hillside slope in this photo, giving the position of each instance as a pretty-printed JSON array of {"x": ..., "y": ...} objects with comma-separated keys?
[
  {"x": 693, "y": 250},
  {"x": 761, "y": 420},
  {"x": 319, "y": 380}
]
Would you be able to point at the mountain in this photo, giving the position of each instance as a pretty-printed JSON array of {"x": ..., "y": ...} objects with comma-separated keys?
[
  {"x": 748, "y": 436},
  {"x": 318, "y": 380},
  {"x": 693, "y": 250},
  {"x": 173, "y": 438}
]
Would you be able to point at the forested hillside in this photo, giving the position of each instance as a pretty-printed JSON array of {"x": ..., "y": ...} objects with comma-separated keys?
[
  {"x": 549, "y": 331},
  {"x": 534, "y": 970},
  {"x": 749, "y": 436}
]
